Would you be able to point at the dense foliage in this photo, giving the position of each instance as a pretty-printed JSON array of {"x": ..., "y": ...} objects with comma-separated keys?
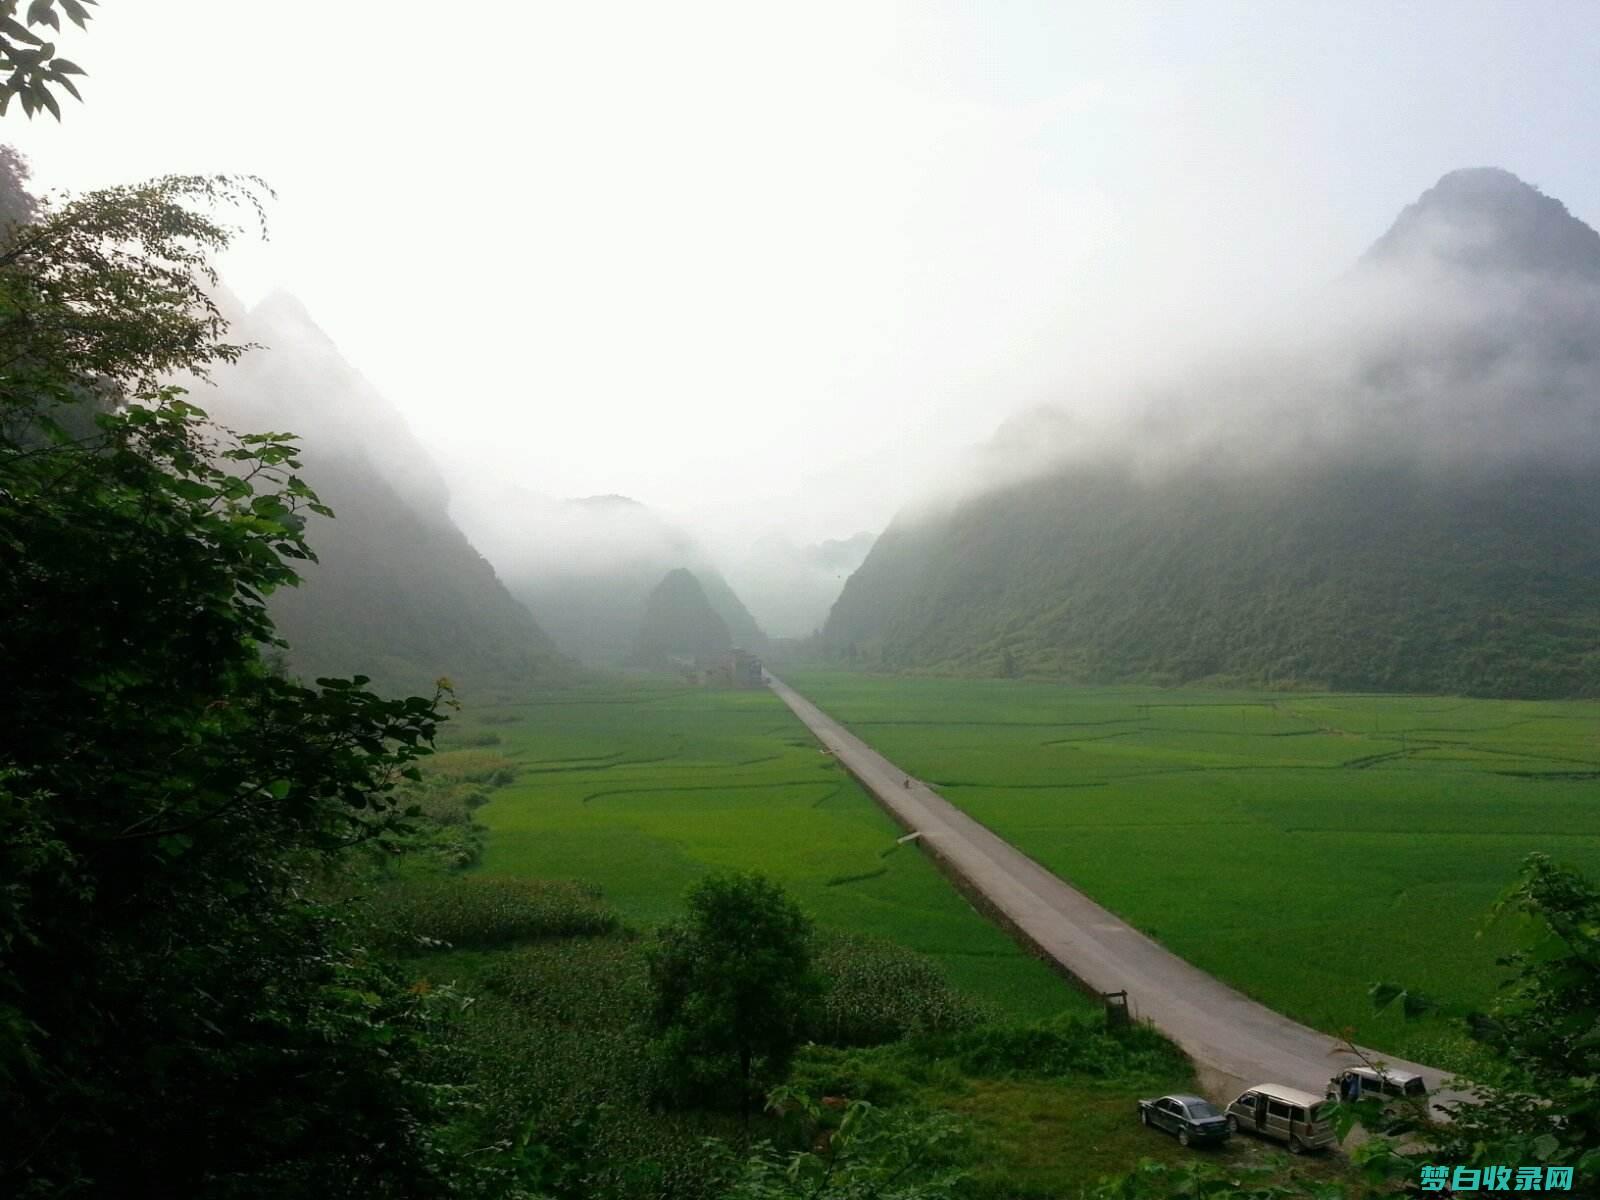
[
  {"x": 862, "y": 1153},
  {"x": 177, "y": 1015}
]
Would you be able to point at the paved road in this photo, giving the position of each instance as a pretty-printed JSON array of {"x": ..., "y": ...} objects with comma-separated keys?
[{"x": 1234, "y": 1040}]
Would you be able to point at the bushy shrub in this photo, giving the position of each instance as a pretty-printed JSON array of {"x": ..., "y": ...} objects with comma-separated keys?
[
  {"x": 1062, "y": 1046},
  {"x": 447, "y": 804},
  {"x": 862, "y": 1151},
  {"x": 480, "y": 912},
  {"x": 444, "y": 799},
  {"x": 875, "y": 1074},
  {"x": 878, "y": 992},
  {"x": 471, "y": 766}
]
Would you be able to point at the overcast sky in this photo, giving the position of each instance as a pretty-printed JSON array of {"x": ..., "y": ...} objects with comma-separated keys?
[{"x": 760, "y": 264}]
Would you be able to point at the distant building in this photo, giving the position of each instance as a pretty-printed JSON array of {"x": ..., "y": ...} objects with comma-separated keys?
[
  {"x": 731, "y": 669},
  {"x": 744, "y": 669}
]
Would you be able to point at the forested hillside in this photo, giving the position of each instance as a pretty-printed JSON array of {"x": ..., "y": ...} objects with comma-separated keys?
[
  {"x": 1407, "y": 503},
  {"x": 1359, "y": 578},
  {"x": 398, "y": 593}
]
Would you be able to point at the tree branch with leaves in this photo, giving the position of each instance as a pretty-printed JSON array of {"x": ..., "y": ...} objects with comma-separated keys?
[{"x": 32, "y": 69}]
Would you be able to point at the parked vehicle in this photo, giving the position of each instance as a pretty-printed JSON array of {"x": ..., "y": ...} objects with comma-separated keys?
[
  {"x": 1368, "y": 1083},
  {"x": 1285, "y": 1113},
  {"x": 1190, "y": 1119}
]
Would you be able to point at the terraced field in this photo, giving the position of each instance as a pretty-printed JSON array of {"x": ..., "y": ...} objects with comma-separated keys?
[
  {"x": 641, "y": 787},
  {"x": 1297, "y": 846}
]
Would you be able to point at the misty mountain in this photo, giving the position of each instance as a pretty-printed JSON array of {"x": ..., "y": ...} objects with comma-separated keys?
[
  {"x": 1398, "y": 496},
  {"x": 1486, "y": 220},
  {"x": 398, "y": 593},
  {"x": 679, "y": 621},
  {"x": 588, "y": 567}
]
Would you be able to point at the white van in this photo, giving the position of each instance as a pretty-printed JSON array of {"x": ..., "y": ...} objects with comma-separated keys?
[
  {"x": 1368, "y": 1083},
  {"x": 1284, "y": 1113}
]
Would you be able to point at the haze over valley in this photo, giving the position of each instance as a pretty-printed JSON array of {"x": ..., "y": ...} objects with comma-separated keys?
[
  {"x": 1385, "y": 488},
  {"x": 858, "y": 601}
]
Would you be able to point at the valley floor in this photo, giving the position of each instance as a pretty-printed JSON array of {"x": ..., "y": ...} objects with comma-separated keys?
[
  {"x": 1299, "y": 847},
  {"x": 639, "y": 787},
  {"x": 642, "y": 787}
]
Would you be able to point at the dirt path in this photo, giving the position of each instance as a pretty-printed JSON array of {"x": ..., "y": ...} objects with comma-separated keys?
[{"x": 1235, "y": 1041}]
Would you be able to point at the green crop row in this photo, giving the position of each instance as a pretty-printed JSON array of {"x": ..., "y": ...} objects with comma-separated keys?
[{"x": 472, "y": 911}]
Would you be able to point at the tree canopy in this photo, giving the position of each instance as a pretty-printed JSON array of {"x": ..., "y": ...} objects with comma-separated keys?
[
  {"x": 178, "y": 1014},
  {"x": 731, "y": 986}
]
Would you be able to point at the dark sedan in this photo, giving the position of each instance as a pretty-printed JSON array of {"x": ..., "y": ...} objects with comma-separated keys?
[{"x": 1190, "y": 1119}]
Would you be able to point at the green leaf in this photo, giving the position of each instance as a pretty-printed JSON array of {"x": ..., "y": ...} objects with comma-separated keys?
[
  {"x": 174, "y": 844},
  {"x": 1415, "y": 1005},
  {"x": 16, "y": 30},
  {"x": 191, "y": 489},
  {"x": 39, "y": 13},
  {"x": 1384, "y": 994}
]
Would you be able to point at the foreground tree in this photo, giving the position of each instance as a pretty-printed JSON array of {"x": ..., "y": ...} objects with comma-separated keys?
[
  {"x": 731, "y": 985},
  {"x": 177, "y": 1015}
]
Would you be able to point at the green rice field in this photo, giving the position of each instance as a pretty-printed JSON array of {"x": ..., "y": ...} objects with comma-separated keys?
[
  {"x": 1298, "y": 846},
  {"x": 642, "y": 786}
]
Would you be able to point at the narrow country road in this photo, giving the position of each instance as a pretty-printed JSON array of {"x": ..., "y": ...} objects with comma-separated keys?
[{"x": 1234, "y": 1040}]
